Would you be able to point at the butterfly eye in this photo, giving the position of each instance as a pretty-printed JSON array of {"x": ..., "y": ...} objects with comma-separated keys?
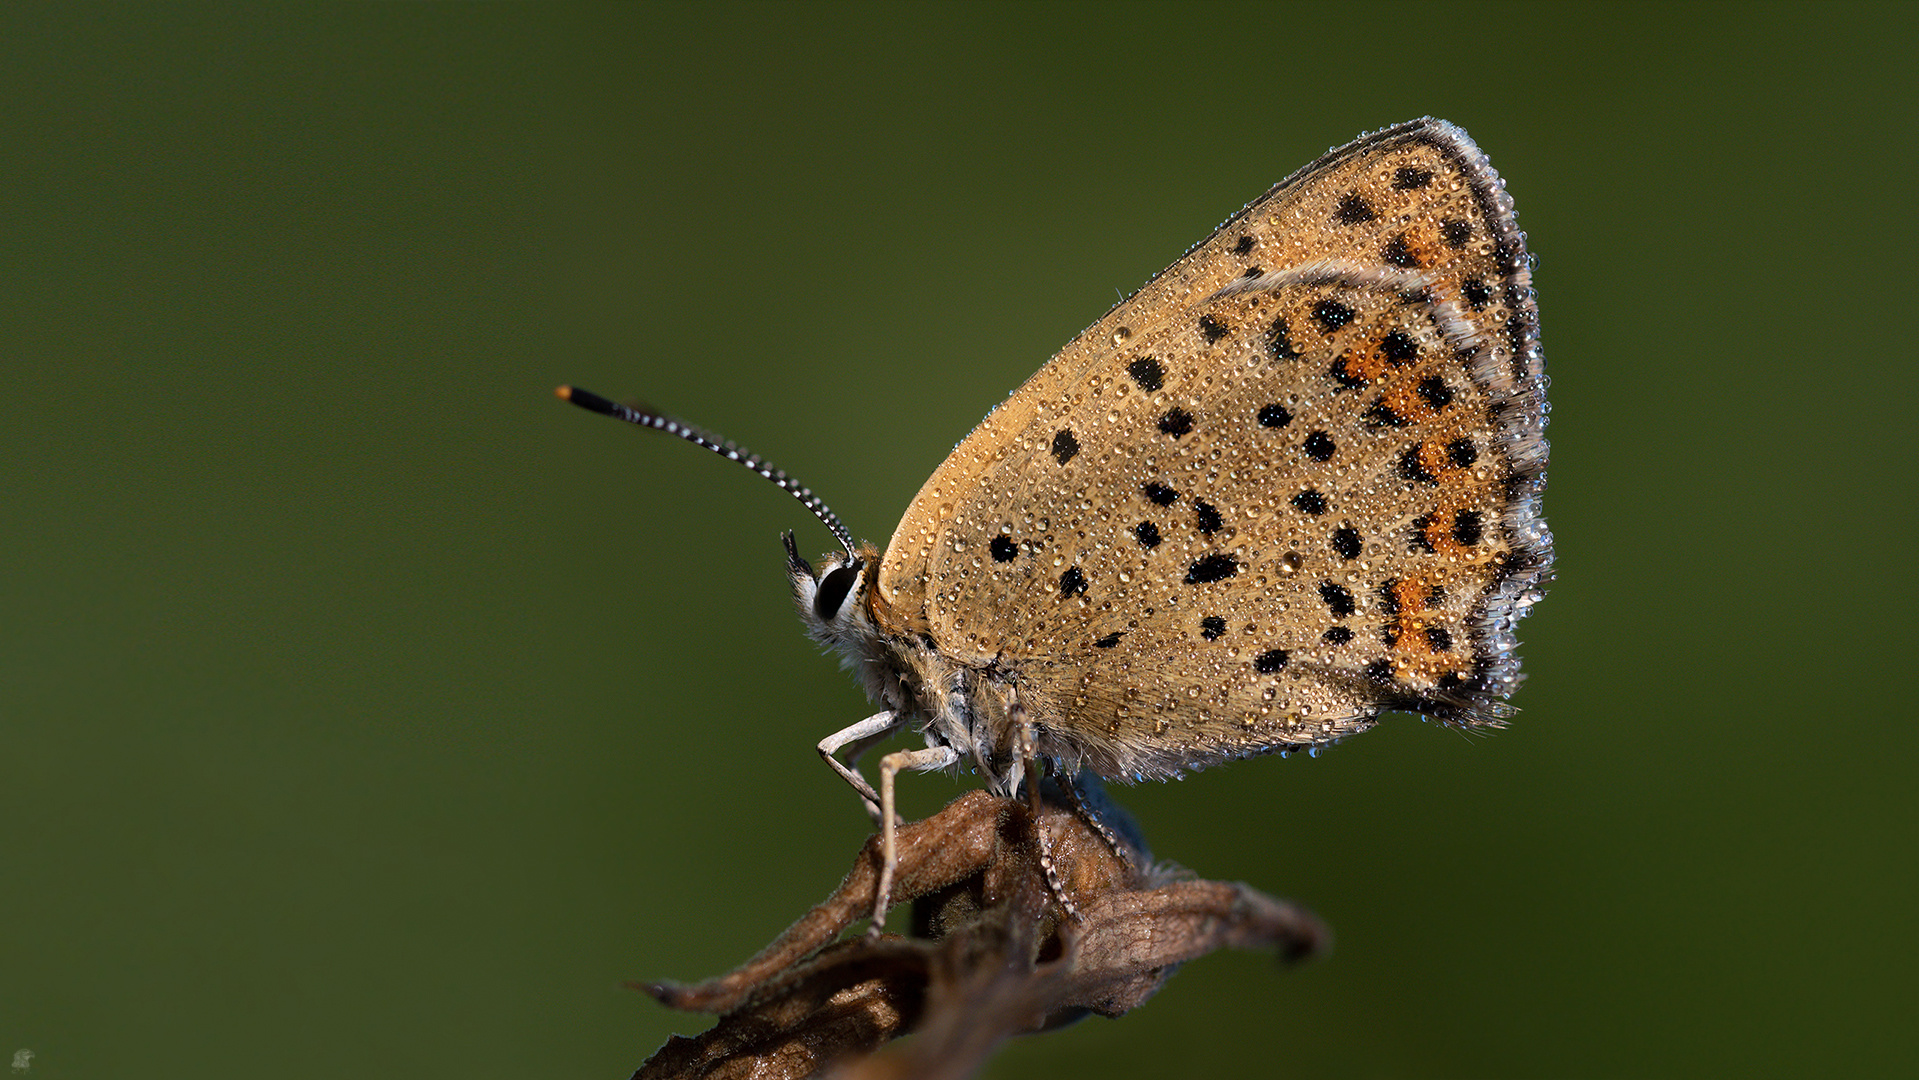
[{"x": 833, "y": 590}]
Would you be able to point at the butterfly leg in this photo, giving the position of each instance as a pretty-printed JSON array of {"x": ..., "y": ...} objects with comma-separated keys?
[
  {"x": 1086, "y": 811},
  {"x": 1030, "y": 763},
  {"x": 933, "y": 757},
  {"x": 860, "y": 736}
]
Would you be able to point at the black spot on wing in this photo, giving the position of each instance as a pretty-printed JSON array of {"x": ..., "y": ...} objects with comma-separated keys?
[
  {"x": 1399, "y": 348},
  {"x": 1343, "y": 373},
  {"x": 1408, "y": 178},
  {"x": 1412, "y": 468},
  {"x": 1476, "y": 293},
  {"x": 1353, "y": 210},
  {"x": 1339, "y": 599},
  {"x": 1208, "y": 515},
  {"x": 1381, "y": 415},
  {"x": 1331, "y": 314},
  {"x": 1147, "y": 373},
  {"x": 1397, "y": 253},
  {"x": 1278, "y": 343},
  {"x": 1211, "y": 568},
  {"x": 1417, "y": 540},
  {"x": 1469, "y": 526},
  {"x": 1064, "y": 446},
  {"x": 1388, "y": 595},
  {"x": 1346, "y": 543}
]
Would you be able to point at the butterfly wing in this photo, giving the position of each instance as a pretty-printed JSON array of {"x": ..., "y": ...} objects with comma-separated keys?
[{"x": 1290, "y": 484}]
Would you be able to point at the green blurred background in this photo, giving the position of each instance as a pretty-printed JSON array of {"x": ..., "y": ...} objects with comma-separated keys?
[{"x": 365, "y": 711}]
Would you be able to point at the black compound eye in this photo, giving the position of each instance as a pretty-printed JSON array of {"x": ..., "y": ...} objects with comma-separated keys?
[{"x": 833, "y": 589}]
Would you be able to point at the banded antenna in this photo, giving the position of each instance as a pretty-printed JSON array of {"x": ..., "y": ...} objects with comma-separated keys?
[{"x": 645, "y": 416}]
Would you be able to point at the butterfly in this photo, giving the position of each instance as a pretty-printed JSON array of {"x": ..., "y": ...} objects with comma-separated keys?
[{"x": 1291, "y": 484}]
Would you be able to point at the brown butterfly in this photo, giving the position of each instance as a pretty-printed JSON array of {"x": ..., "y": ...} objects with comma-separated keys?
[{"x": 1289, "y": 485}]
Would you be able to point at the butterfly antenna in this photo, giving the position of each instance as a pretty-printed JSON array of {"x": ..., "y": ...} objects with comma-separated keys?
[{"x": 646, "y": 417}]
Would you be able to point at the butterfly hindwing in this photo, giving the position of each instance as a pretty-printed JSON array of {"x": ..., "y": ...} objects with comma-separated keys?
[{"x": 1291, "y": 483}]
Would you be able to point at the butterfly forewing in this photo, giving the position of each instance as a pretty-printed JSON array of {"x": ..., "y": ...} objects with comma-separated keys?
[{"x": 1289, "y": 484}]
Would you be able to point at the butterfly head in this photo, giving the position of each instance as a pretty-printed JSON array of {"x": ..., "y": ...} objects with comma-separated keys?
[{"x": 832, "y": 597}]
